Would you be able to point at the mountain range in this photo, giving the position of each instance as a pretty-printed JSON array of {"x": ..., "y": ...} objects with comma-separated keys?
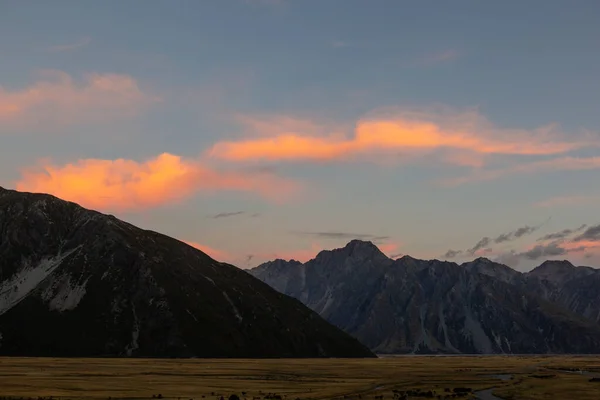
[
  {"x": 75, "y": 282},
  {"x": 430, "y": 306}
]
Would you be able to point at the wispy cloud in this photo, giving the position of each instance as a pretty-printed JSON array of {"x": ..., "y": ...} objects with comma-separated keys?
[
  {"x": 452, "y": 253},
  {"x": 84, "y": 41},
  {"x": 563, "y": 234},
  {"x": 227, "y": 214},
  {"x": 551, "y": 165},
  {"x": 590, "y": 234},
  {"x": 431, "y": 59},
  {"x": 569, "y": 200},
  {"x": 345, "y": 235},
  {"x": 128, "y": 185},
  {"x": 556, "y": 244},
  {"x": 482, "y": 246},
  {"x": 339, "y": 44},
  {"x": 544, "y": 250},
  {"x": 58, "y": 99}
]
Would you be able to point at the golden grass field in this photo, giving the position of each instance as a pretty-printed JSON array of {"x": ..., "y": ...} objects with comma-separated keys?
[{"x": 532, "y": 377}]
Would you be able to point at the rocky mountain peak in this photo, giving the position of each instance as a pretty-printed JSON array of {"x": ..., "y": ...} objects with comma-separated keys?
[
  {"x": 356, "y": 253},
  {"x": 553, "y": 270},
  {"x": 491, "y": 268},
  {"x": 555, "y": 264},
  {"x": 361, "y": 246}
]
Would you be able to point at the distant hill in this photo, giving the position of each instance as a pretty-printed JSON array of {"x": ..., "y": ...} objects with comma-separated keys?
[
  {"x": 75, "y": 282},
  {"x": 417, "y": 306}
]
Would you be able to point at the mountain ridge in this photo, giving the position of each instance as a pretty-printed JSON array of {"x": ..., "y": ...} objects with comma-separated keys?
[
  {"x": 76, "y": 282},
  {"x": 431, "y": 306}
]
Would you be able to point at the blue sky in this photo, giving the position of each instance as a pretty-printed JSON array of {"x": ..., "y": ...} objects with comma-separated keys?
[{"x": 423, "y": 126}]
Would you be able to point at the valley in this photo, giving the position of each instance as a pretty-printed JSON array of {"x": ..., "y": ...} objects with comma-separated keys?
[{"x": 400, "y": 377}]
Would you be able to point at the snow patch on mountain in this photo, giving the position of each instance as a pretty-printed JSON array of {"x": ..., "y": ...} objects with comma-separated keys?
[
  {"x": 64, "y": 294},
  {"x": 447, "y": 342},
  {"x": 135, "y": 334},
  {"x": 236, "y": 312},
  {"x": 27, "y": 279}
]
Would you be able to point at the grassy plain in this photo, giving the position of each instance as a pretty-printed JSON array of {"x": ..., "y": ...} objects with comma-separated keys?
[{"x": 532, "y": 378}]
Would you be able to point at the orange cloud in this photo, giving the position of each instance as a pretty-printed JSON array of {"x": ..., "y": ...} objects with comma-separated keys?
[
  {"x": 218, "y": 255},
  {"x": 129, "y": 185},
  {"x": 58, "y": 99},
  {"x": 394, "y": 132}
]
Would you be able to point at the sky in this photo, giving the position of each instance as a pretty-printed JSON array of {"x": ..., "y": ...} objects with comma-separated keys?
[{"x": 263, "y": 129}]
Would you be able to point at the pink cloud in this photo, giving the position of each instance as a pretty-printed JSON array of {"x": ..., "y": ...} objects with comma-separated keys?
[{"x": 57, "y": 99}]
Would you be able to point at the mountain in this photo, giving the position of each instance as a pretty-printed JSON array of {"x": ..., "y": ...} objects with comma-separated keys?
[
  {"x": 416, "y": 306},
  {"x": 575, "y": 288},
  {"x": 75, "y": 282}
]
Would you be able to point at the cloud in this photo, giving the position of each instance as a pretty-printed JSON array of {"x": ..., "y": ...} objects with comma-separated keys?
[
  {"x": 483, "y": 243},
  {"x": 388, "y": 248},
  {"x": 452, "y": 253},
  {"x": 227, "y": 214},
  {"x": 125, "y": 185},
  {"x": 70, "y": 46},
  {"x": 555, "y": 164},
  {"x": 516, "y": 234},
  {"x": 481, "y": 247},
  {"x": 505, "y": 237},
  {"x": 510, "y": 258},
  {"x": 58, "y": 99},
  {"x": 558, "y": 243},
  {"x": 590, "y": 234},
  {"x": 218, "y": 255},
  {"x": 569, "y": 201},
  {"x": 561, "y": 234},
  {"x": 345, "y": 235},
  {"x": 547, "y": 250},
  {"x": 432, "y": 59},
  {"x": 393, "y": 131}
]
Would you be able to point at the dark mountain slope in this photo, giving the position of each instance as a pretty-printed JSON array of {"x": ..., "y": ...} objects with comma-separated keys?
[
  {"x": 74, "y": 282},
  {"x": 410, "y": 305},
  {"x": 575, "y": 288}
]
